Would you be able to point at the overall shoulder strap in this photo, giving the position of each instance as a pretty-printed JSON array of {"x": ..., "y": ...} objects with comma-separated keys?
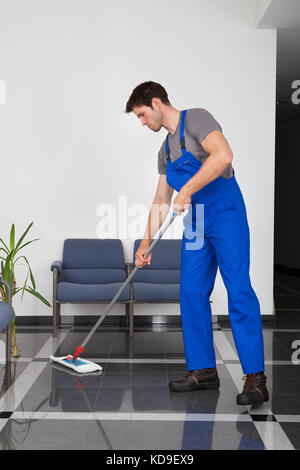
[
  {"x": 167, "y": 149},
  {"x": 182, "y": 142}
]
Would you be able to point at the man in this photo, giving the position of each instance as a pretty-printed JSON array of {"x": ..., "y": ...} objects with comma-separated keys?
[{"x": 195, "y": 160}]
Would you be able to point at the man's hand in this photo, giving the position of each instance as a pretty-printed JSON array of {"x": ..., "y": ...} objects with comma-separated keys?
[
  {"x": 181, "y": 202},
  {"x": 140, "y": 261}
]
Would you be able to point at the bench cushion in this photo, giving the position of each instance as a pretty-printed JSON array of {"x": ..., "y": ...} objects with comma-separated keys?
[
  {"x": 74, "y": 292},
  {"x": 154, "y": 292},
  {"x": 93, "y": 276},
  {"x": 157, "y": 276}
]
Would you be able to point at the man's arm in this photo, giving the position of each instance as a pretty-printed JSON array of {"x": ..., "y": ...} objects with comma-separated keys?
[
  {"x": 160, "y": 207},
  {"x": 159, "y": 210},
  {"x": 220, "y": 156}
]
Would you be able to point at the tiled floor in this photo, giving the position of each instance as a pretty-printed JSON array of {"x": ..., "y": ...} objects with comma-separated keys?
[{"x": 129, "y": 406}]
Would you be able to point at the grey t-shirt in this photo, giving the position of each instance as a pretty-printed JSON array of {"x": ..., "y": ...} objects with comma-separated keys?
[{"x": 198, "y": 123}]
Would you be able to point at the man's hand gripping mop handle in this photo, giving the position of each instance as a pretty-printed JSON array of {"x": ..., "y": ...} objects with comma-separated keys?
[{"x": 80, "y": 348}]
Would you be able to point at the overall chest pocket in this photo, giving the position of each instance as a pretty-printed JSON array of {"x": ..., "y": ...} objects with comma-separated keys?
[{"x": 189, "y": 166}]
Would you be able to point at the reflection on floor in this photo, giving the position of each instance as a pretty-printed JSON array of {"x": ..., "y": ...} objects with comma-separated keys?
[{"x": 129, "y": 406}]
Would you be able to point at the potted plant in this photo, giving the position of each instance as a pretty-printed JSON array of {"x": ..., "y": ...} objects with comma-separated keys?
[{"x": 10, "y": 256}]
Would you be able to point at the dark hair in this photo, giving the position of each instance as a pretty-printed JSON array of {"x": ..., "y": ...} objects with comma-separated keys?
[{"x": 143, "y": 94}]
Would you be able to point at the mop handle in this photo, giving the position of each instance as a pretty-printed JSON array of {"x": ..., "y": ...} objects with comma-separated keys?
[{"x": 115, "y": 298}]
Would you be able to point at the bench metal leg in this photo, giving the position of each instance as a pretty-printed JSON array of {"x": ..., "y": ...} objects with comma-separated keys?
[
  {"x": 127, "y": 313},
  {"x": 56, "y": 317},
  {"x": 8, "y": 343},
  {"x": 56, "y": 306},
  {"x": 131, "y": 319}
]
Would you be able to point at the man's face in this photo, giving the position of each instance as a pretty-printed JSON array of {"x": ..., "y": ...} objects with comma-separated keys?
[{"x": 151, "y": 117}]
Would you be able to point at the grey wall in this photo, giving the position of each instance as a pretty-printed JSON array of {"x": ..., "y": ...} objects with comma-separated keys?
[{"x": 287, "y": 194}]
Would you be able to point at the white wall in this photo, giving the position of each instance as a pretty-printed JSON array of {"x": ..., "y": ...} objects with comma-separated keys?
[{"x": 67, "y": 146}]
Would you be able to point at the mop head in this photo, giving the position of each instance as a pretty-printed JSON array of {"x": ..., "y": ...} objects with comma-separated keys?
[
  {"x": 60, "y": 368},
  {"x": 82, "y": 366}
]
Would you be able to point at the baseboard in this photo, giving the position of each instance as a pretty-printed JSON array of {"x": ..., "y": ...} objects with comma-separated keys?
[
  {"x": 224, "y": 320},
  {"x": 119, "y": 320},
  {"x": 113, "y": 320}
]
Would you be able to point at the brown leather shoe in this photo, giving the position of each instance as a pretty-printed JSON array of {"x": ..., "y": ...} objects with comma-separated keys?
[
  {"x": 196, "y": 380},
  {"x": 254, "y": 391}
]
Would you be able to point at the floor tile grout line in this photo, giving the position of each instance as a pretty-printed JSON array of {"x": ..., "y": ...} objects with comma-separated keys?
[
  {"x": 148, "y": 361},
  {"x": 286, "y": 330},
  {"x": 135, "y": 361},
  {"x": 287, "y": 418},
  {"x": 130, "y": 416}
]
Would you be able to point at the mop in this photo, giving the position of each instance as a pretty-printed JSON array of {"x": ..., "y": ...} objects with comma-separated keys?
[{"x": 84, "y": 366}]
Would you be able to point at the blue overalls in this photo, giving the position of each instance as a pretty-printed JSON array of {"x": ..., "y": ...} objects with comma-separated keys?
[{"x": 225, "y": 242}]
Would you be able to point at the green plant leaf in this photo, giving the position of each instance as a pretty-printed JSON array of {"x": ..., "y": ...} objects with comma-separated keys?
[
  {"x": 26, "y": 244},
  {"x": 39, "y": 296},
  {"x": 5, "y": 251},
  {"x": 11, "y": 278},
  {"x": 30, "y": 272},
  {"x": 6, "y": 272},
  {"x": 4, "y": 245},
  {"x": 23, "y": 289},
  {"x": 12, "y": 237},
  {"x": 23, "y": 236}
]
